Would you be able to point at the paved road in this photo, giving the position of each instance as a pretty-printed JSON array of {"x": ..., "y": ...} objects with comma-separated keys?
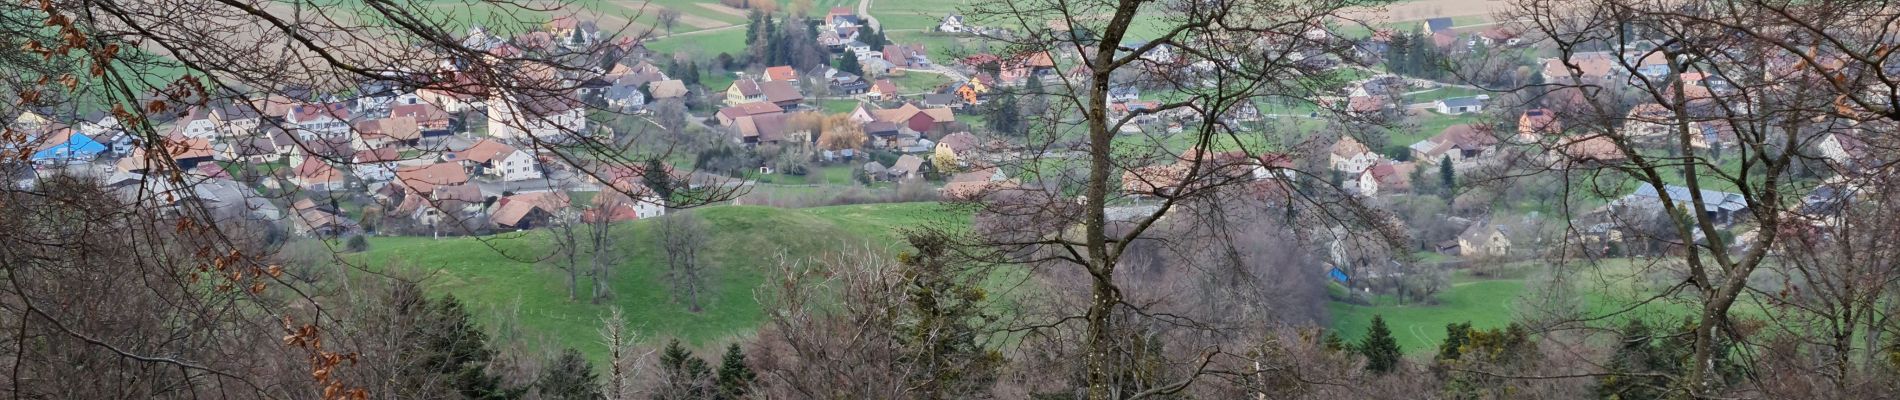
[{"x": 864, "y": 12}]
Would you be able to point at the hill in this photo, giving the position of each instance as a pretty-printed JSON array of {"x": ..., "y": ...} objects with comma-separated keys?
[{"x": 498, "y": 275}]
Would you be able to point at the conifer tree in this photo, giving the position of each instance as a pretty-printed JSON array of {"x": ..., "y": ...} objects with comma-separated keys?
[
  {"x": 735, "y": 378},
  {"x": 1380, "y": 348},
  {"x": 687, "y": 376},
  {"x": 1447, "y": 179},
  {"x": 570, "y": 377},
  {"x": 849, "y": 63}
]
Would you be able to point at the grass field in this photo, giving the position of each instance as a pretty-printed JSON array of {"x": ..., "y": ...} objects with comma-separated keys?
[
  {"x": 496, "y": 276},
  {"x": 1420, "y": 328},
  {"x": 838, "y": 106}
]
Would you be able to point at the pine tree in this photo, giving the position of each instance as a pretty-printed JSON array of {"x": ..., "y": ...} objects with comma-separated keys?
[
  {"x": 1334, "y": 343},
  {"x": 752, "y": 26},
  {"x": 1456, "y": 335},
  {"x": 734, "y": 376},
  {"x": 687, "y": 376},
  {"x": 1005, "y": 116},
  {"x": 1380, "y": 349},
  {"x": 453, "y": 348},
  {"x": 1447, "y": 179},
  {"x": 943, "y": 305},
  {"x": 849, "y": 63},
  {"x": 570, "y": 377}
]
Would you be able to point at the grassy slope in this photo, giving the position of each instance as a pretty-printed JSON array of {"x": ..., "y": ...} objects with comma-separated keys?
[{"x": 745, "y": 240}]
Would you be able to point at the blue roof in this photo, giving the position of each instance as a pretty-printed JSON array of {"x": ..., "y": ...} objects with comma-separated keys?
[
  {"x": 75, "y": 146},
  {"x": 1438, "y": 24},
  {"x": 1338, "y": 275},
  {"x": 1712, "y": 200}
]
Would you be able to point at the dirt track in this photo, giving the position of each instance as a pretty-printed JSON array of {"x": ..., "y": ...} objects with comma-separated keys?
[
  {"x": 1423, "y": 9},
  {"x": 649, "y": 10}
]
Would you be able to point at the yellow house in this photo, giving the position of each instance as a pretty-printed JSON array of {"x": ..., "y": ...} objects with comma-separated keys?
[{"x": 951, "y": 149}]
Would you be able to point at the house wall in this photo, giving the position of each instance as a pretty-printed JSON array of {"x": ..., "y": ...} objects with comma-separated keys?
[{"x": 519, "y": 166}]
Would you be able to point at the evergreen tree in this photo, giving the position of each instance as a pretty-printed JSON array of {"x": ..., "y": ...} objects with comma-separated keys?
[
  {"x": 1334, "y": 343},
  {"x": 453, "y": 348},
  {"x": 687, "y": 376},
  {"x": 656, "y": 178},
  {"x": 874, "y": 38},
  {"x": 1005, "y": 116},
  {"x": 940, "y": 332},
  {"x": 1636, "y": 353},
  {"x": 734, "y": 376},
  {"x": 692, "y": 73},
  {"x": 1447, "y": 179},
  {"x": 1379, "y": 347},
  {"x": 849, "y": 63},
  {"x": 752, "y": 26},
  {"x": 571, "y": 377},
  {"x": 1456, "y": 336}
]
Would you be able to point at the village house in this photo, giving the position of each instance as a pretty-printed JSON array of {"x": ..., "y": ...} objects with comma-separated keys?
[
  {"x": 1435, "y": 25},
  {"x": 1535, "y": 124},
  {"x": 767, "y": 129},
  {"x": 496, "y": 159},
  {"x": 64, "y": 146},
  {"x": 1460, "y": 105},
  {"x": 423, "y": 179},
  {"x": 784, "y": 94},
  {"x": 908, "y": 167},
  {"x": 196, "y": 124},
  {"x": 957, "y": 147},
  {"x": 1722, "y": 207},
  {"x": 319, "y": 121},
  {"x": 744, "y": 91},
  {"x": 1351, "y": 157},
  {"x": 667, "y": 89},
  {"x": 907, "y": 56},
  {"x": 430, "y": 121},
  {"x": 1385, "y": 177},
  {"x": 883, "y": 90},
  {"x": 1592, "y": 67},
  {"x": 527, "y": 210},
  {"x": 727, "y": 115},
  {"x": 951, "y": 24},
  {"x": 1458, "y": 142},
  {"x": 546, "y": 118},
  {"x": 235, "y": 119},
  {"x": 908, "y": 117},
  {"x": 316, "y": 175},
  {"x": 1585, "y": 151},
  {"x": 453, "y": 203},
  {"x": 1484, "y": 239}
]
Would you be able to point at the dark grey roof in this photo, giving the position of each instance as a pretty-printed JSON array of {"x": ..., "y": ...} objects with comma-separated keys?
[
  {"x": 1712, "y": 200},
  {"x": 1438, "y": 24},
  {"x": 1463, "y": 102}
]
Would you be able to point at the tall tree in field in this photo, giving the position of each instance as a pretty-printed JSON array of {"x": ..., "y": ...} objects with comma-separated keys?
[
  {"x": 1225, "y": 54},
  {"x": 683, "y": 237},
  {"x": 668, "y": 18}
]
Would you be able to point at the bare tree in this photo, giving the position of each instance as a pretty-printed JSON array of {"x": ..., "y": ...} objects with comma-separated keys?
[
  {"x": 150, "y": 64},
  {"x": 1721, "y": 112},
  {"x": 668, "y": 18},
  {"x": 683, "y": 237},
  {"x": 1215, "y": 59}
]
